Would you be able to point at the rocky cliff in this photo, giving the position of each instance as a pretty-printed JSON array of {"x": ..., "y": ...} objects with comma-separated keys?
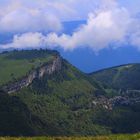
[
  {"x": 110, "y": 103},
  {"x": 46, "y": 69}
]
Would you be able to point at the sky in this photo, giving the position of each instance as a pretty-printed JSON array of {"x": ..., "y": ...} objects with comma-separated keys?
[{"x": 96, "y": 29}]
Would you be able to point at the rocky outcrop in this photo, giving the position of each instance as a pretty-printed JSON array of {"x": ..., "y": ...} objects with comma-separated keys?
[
  {"x": 109, "y": 104},
  {"x": 50, "y": 68},
  {"x": 46, "y": 69},
  {"x": 102, "y": 102}
]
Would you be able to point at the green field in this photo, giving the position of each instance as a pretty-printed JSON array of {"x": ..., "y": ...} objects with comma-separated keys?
[
  {"x": 113, "y": 137},
  {"x": 15, "y": 65}
]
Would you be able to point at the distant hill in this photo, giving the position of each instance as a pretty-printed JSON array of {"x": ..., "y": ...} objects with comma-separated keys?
[{"x": 124, "y": 77}]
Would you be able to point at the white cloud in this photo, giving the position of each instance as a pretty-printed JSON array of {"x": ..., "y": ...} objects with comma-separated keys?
[
  {"x": 34, "y": 20},
  {"x": 44, "y": 15},
  {"x": 25, "y": 16},
  {"x": 102, "y": 29},
  {"x": 26, "y": 40},
  {"x": 108, "y": 23}
]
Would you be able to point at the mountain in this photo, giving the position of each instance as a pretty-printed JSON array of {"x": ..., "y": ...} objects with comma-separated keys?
[
  {"x": 124, "y": 77},
  {"x": 43, "y": 94},
  {"x": 54, "y": 91},
  {"x": 121, "y": 84}
]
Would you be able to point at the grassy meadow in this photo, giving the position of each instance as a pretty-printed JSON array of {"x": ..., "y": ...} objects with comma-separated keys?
[
  {"x": 113, "y": 137},
  {"x": 14, "y": 65}
]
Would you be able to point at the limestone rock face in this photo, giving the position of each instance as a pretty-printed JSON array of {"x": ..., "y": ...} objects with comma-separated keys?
[
  {"x": 46, "y": 69},
  {"x": 50, "y": 68}
]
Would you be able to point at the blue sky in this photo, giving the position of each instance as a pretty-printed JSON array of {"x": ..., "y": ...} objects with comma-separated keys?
[{"x": 92, "y": 34}]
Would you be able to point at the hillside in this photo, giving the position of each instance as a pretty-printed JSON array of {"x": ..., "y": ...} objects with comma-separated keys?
[
  {"x": 122, "y": 88},
  {"x": 17, "y": 64},
  {"x": 125, "y": 77},
  {"x": 52, "y": 97},
  {"x": 56, "y": 97}
]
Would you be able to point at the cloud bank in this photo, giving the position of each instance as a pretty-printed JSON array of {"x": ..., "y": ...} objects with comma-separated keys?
[
  {"x": 26, "y": 40},
  {"x": 21, "y": 16},
  {"x": 109, "y": 24},
  {"x": 101, "y": 30}
]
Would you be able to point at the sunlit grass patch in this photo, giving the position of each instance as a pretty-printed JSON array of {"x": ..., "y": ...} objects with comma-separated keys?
[{"x": 112, "y": 137}]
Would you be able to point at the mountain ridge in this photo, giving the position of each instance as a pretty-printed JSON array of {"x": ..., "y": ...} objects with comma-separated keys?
[
  {"x": 48, "y": 68},
  {"x": 120, "y": 77},
  {"x": 65, "y": 102},
  {"x": 122, "y": 65}
]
